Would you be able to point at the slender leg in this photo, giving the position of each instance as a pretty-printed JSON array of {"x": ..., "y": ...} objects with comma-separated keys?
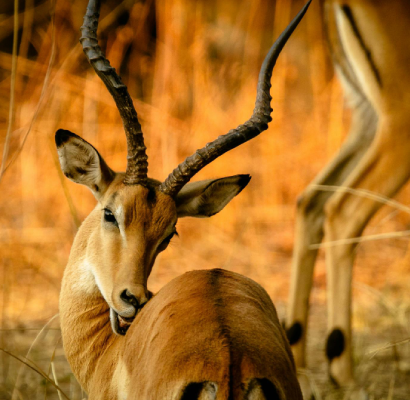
[
  {"x": 384, "y": 169},
  {"x": 309, "y": 223}
]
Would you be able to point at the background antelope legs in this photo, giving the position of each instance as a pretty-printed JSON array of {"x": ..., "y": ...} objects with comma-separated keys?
[
  {"x": 310, "y": 221},
  {"x": 384, "y": 170}
]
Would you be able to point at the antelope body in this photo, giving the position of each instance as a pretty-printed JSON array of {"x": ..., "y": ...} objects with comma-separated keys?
[
  {"x": 207, "y": 334},
  {"x": 370, "y": 48}
]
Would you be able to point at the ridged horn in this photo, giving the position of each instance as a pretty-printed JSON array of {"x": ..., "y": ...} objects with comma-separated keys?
[
  {"x": 137, "y": 165},
  {"x": 257, "y": 123}
]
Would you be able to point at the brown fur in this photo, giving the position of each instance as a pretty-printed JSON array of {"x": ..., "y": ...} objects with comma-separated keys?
[
  {"x": 205, "y": 333},
  {"x": 212, "y": 326}
]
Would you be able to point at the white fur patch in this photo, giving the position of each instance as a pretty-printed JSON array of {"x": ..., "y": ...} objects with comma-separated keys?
[
  {"x": 121, "y": 381},
  {"x": 357, "y": 57},
  {"x": 86, "y": 281}
]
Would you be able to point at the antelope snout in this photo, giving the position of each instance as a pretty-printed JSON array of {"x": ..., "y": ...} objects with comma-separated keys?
[{"x": 128, "y": 300}]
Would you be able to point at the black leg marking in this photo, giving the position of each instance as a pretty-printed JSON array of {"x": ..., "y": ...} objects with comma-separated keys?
[
  {"x": 269, "y": 389},
  {"x": 294, "y": 333},
  {"x": 263, "y": 385},
  {"x": 335, "y": 344},
  {"x": 194, "y": 389}
]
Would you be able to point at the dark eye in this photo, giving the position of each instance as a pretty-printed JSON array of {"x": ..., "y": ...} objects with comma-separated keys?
[
  {"x": 166, "y": 241},
  {"x": 109, "y": 217}
]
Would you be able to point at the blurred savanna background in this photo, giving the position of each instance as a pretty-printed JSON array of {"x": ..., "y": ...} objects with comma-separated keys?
[{"x": 191, "y": 67}]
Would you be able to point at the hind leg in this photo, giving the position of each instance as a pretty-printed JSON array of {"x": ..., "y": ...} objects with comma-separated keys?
[
  {"x": 384, "y": 169},
  {"x": 310, "y": 219}
]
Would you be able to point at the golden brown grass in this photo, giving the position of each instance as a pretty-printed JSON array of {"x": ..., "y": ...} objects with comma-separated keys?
[{"x": 196, "y": 80}]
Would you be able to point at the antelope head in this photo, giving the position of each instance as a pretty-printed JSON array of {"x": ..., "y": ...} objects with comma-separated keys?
[{"x": 136, "y": 216}]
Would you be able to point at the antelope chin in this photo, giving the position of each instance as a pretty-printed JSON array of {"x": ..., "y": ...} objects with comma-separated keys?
[{"x": 120, "y": 324}]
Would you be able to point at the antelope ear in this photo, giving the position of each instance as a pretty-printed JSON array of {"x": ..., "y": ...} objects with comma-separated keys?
[
  {"x": 81, "y": 162},
  {"x": 206, "y": 198}
]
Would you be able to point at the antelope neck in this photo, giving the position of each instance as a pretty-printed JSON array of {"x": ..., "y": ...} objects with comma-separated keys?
[{"x": 86, "y": 328}]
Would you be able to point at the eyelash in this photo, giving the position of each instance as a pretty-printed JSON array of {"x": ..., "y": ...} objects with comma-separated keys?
[{"x": 109, "y": 217}]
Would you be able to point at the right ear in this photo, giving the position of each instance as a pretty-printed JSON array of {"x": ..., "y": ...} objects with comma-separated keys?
[
  {"x": 81, "y": 163},
  {"x": 206, "y": 198}
]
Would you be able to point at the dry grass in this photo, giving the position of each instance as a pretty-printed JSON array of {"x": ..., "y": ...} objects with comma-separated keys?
[{"x": 192, "y": 82}]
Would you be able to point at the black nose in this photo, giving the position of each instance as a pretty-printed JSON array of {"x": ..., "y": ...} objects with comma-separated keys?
[{"x": 129, "y": 298}]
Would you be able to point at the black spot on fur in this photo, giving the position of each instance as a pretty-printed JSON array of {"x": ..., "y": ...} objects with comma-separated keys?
[
  {"x": 193, "y": 390},
  {"x": 96, "y": 188},
  {"x": 62, "y": 136},
  {"x": 294, "y": 333},
  {"x": 268, "y": 389},
  {"x": 335, "y": 344},
  {"x": 69, "y": 175}
]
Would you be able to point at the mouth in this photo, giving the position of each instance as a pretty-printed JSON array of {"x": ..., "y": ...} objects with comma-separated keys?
[
  {"x": 119, "y": 324},
  {"x": 124, "y": 323}
]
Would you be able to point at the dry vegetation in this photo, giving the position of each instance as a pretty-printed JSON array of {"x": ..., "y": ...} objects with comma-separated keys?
[{"x": 191, "y": 67}]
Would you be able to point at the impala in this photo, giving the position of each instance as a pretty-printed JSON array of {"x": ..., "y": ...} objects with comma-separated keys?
[
  {"x": 370, "y": 49},
  {"x": 207, "y": 334}
]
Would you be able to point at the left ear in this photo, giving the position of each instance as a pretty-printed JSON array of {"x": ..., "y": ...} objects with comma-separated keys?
[
  {"x": 206, "y": 198},
  {"x": 81, "y": 162}
]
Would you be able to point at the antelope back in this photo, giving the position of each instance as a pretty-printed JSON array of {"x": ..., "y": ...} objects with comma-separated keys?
[{"x": 207, "y": 334}]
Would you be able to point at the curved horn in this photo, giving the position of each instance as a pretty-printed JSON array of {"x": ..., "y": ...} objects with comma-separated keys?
[
  {"x": 137, "y": 165},
  {"x": 251, "y": 128}
]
